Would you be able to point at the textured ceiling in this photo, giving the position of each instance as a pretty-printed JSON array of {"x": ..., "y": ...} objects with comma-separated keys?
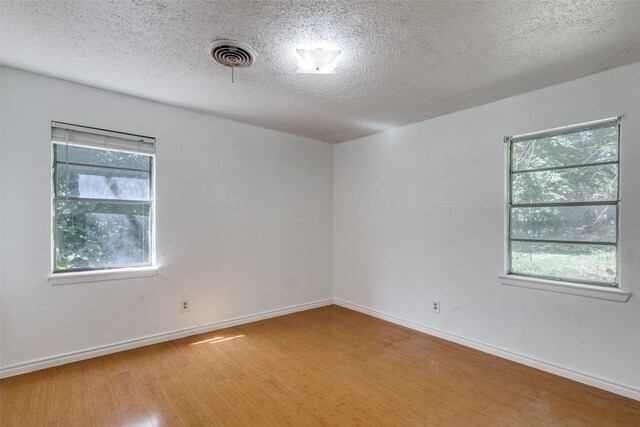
[{"x": 402, "y": 62}]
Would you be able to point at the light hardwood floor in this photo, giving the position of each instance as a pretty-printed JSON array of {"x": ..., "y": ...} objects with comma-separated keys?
[{"x": 328, "y": 366}]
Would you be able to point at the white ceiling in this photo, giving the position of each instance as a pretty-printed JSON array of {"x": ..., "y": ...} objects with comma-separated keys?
[{"x": 402, "y": 62}]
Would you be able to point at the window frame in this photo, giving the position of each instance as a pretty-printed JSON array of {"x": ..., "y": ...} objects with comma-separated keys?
[
  {"x": 90, "y": 274},
  {"x": 560, "y": 284}
]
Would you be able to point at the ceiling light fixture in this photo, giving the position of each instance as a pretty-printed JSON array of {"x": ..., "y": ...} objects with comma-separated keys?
[{"x": 317, "y": 61}]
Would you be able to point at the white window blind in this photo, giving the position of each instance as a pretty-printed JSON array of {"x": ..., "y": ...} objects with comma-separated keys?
[
  {"x": 78, "y": 136},
  {"x": 102, "y": 199}
]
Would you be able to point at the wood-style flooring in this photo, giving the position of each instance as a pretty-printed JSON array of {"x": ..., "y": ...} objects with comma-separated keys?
[{"x": 329, "y": 366}]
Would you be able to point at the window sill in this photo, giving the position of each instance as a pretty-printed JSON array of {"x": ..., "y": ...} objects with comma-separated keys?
[
  {"x": 101, "y": 275},
  {"x": 611, "y": 294}
]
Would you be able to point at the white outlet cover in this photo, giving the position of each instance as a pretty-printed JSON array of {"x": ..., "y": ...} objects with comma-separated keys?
[{"x": 435, "y": 306}]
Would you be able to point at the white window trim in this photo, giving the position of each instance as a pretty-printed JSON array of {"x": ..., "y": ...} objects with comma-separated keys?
[
  {"x": 106, "y": 274},
  {"x": 101, "y": 275},
  {"x": 565, "y": 287},
  {"x": 599, "y": 292}
]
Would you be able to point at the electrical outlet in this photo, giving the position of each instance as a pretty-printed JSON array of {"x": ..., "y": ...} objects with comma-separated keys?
[
  {"x": 185, "y": 305},
  {"x": 435, "y": 306}
]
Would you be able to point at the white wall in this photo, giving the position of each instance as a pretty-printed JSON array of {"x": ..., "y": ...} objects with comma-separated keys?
[
  {"x": 244, "y": 220},
  {"x": 419, "y": 216}
]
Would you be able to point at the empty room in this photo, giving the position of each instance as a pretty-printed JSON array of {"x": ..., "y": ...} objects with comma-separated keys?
[{"x": 319, "y": 213}]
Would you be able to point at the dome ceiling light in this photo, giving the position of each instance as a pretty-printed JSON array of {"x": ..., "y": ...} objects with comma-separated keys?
[{"x": 317, "y": 61}]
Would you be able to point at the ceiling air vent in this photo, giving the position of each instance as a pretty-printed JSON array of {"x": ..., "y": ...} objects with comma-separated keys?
[{"x": 231, "y": 53}]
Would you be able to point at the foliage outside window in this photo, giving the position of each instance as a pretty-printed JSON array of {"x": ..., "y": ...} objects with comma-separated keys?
[
  {"x": 563, "y": 204},
  {"x": 102, "y": 199}
]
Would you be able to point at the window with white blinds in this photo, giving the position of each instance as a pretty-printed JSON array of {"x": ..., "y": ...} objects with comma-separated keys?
[{"x": 102, "y": 199}]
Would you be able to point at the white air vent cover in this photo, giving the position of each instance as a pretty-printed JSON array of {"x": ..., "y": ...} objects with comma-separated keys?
[{"x": 232, "y": 53}]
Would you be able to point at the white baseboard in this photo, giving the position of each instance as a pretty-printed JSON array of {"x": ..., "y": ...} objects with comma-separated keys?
[
  {"x": 581, "y": 377},
  {"x": 74, "y": 356},
  {"x": 47, "y": 362}
]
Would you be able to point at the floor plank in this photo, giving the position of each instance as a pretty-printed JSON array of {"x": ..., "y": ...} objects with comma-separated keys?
[{"x": 328, "y": 366}]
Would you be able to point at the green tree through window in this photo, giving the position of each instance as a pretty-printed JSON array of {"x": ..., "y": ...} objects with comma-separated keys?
[
  {"x": 102, "y": 203},
  {"x": 563, "y": 204}
]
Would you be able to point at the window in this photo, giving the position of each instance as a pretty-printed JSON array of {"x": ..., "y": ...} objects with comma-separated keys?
[
  {"x": 563, "y": 204},
  {"x": 102, "y": 199}
]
